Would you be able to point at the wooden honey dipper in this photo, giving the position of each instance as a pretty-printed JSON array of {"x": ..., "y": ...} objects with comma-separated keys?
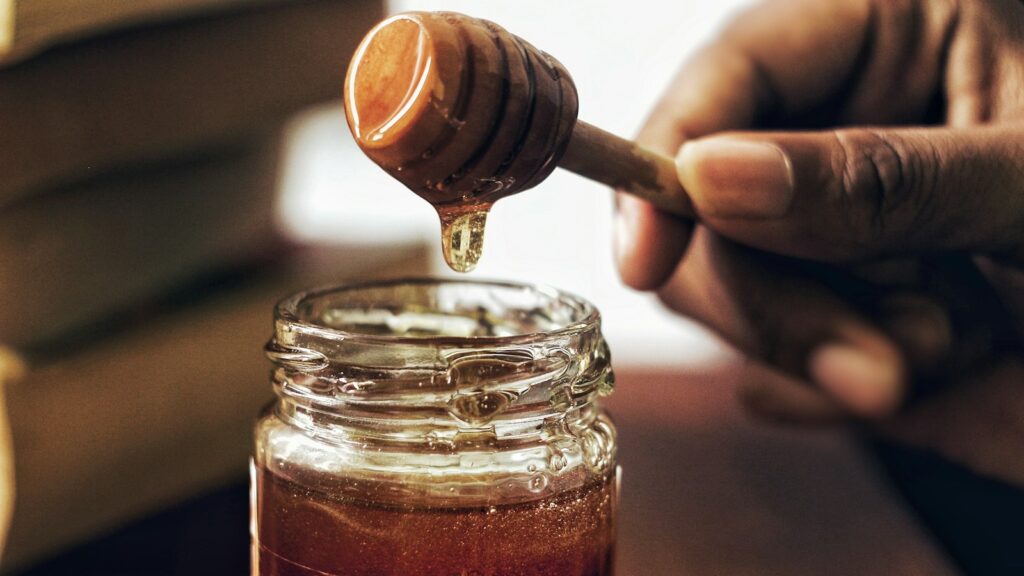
[{"x": 463, "y": 113}]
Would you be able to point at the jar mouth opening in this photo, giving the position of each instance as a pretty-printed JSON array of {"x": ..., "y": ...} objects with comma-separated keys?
[{"x": 433, "y": 311}]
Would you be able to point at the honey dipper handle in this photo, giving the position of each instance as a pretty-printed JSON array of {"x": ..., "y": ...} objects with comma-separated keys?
[{"x": 626, "y": 166}]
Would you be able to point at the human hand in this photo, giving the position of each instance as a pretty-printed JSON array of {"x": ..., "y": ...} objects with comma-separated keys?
[{"x": 858, "y": 170}]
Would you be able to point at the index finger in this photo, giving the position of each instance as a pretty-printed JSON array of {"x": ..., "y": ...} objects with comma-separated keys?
[{"x": 735, "y": 83}]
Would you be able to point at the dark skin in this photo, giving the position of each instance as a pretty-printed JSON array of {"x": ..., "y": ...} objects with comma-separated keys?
[{"x": 858, "y": 171}]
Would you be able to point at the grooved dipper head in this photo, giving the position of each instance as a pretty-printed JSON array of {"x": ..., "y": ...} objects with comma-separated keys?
[{"x": 458, "y": 109}]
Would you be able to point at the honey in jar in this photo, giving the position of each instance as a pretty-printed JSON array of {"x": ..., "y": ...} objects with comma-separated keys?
[{"x": 436, "y": 428}]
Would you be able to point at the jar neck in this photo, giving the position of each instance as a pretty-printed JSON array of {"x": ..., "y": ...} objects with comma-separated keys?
[
  {"x": 445, "y": 364},
  {"x": 461, "y": 397}
]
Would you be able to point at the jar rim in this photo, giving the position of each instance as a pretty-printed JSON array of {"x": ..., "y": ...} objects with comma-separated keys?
[{"x": 585, "y": 316}]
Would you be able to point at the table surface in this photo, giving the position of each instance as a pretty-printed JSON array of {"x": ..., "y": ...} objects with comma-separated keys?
[
  {"x": 704, "y": 492},
  {"x": 707, "y": 491}
]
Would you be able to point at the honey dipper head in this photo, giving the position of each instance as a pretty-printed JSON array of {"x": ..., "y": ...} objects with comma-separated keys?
[{"x": 457, "y": 108}]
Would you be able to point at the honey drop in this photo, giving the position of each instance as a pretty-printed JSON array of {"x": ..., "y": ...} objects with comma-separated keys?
[{"x": 462, "y": 236}]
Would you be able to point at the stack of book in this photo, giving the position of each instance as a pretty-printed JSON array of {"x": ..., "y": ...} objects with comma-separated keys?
[{"x": 139, "y": 260}]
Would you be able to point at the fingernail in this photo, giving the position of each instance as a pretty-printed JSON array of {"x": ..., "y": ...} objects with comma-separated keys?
[
  {"x": 866, "y": 384},
  {"x": 733, "y": 178}
]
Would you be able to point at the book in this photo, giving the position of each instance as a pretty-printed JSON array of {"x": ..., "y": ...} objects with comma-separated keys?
[
  {"x": 71, "y": 257},
  {"x": 161, "y": 409},
  {"x": 12, "y": 369},
  {"x": 138, "y": 96},
  {"x": 27, "y": 26}
]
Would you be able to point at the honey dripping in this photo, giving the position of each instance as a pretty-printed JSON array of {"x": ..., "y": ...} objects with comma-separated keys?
[
  {"x": 461, "y": 112},
  {"x": 462, "y": 236}
]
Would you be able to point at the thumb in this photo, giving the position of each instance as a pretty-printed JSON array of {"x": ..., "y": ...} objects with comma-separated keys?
[{"x": 851, "y": 194}]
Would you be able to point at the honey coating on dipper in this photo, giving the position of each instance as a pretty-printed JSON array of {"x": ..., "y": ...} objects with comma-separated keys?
[{"x": 460, "y": 111}]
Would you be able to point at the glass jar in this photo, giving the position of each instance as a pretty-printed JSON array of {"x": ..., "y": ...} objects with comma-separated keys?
[{"x": 435, "y": 427}]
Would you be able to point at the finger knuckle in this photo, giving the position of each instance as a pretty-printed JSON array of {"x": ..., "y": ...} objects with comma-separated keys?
[{"x": 878, "y": 188}]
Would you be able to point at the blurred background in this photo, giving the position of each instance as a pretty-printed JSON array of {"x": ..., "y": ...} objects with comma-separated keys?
[{"x": 171, "y": 168}]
